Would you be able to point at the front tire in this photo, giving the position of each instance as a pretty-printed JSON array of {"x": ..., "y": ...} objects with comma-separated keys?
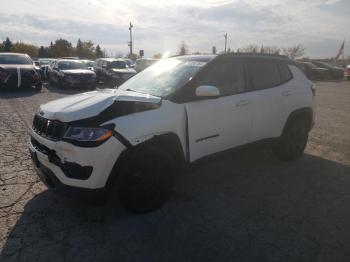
[
  {"x": 147, "y": 180},
  {"x": 39, "y": 87},
  {"x": 292, "y": 143}
]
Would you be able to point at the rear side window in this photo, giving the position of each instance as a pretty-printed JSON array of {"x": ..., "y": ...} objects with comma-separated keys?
[
  {"x": 264, "y": 74},
  {"x": 285, "y": 73},
  {"x": 226, "y": 76}
]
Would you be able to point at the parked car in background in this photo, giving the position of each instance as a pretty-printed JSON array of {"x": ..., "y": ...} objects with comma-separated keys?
[
  {"x": 88, "y": 63},
  {"x": 18, "y": 71},
  {"x": 44, "y": 64},
  {"x": 71, "y": 73},
  {"x": 37, "y": 67},
  {"x": 113, "y": 71},
  {"x": 36, "y": 62},
  {"x": 335, "y": 72},
  {"x": 347, "y": 72},
  {"x": 70, "y": 58},
  {"x": 314, "y": 72},
  {"x": 129, "y": 62},
  {"x": 142, "y": 63},
  {"x": 132, "y": 142}
]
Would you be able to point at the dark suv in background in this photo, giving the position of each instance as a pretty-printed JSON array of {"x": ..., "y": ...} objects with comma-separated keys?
[
  {"x": 314, "y": 72},
  {"x": 113, "y": 71},
  {"x": 71, "y": 73},
  {"x": 335, "y": 72}
]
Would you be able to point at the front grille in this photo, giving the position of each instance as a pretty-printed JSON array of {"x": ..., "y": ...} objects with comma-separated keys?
[
  {"x": 81, "y": 77},
  {"x": 49, "y": 129}
]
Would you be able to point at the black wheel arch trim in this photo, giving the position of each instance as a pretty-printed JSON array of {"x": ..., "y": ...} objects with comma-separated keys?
[
  {"x": 169, "y": 142},
  {"x": 298, "y": 112}
]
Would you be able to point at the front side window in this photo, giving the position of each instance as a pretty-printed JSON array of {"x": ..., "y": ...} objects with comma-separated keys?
[
  {"x": 264, "y": 74},
  {"x": 226, "y": 76}
]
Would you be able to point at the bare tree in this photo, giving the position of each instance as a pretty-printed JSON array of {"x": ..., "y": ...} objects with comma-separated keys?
[
  {"x": 250, "y": 49},
  {"x": 273, "y": 50},
  {"x": 183, "y": 49},
  {"x": 294, "y": 52}
]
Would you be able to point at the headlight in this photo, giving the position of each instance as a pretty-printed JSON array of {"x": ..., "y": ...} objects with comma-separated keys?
[{"x": 88, "y": 136}]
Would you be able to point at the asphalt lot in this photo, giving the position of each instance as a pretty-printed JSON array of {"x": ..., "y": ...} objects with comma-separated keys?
[{"x": 245, "y": 206}]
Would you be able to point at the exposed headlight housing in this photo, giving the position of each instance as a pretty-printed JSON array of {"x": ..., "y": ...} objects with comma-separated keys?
[
  {"x": 61, "y": 74},
  {"x": 88, "y": 136}
]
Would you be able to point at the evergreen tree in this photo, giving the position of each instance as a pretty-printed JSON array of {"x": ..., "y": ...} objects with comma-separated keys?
[
  {"x": 7, "y": 45},
  {"x": 98, "y": 52}
]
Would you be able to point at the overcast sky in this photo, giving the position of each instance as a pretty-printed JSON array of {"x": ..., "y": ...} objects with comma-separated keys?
[{"x": 160, "y": 25}]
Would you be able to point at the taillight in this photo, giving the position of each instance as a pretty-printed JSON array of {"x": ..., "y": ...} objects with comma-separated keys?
[{"x": 313, "y": 89}]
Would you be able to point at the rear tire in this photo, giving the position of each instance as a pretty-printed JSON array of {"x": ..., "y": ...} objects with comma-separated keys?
[
  {"x": 146, "y": 181},
  {"x": 292, "y": 143}
]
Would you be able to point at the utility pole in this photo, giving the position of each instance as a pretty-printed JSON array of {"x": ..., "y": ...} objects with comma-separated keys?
[
  {"x": 225, "y": 35},
  {"x": 130, "y": 43}
]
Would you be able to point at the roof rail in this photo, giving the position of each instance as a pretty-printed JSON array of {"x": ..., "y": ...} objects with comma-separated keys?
[{"x": 255, "y": 54}]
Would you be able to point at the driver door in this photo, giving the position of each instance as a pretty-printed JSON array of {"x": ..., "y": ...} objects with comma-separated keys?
[{"x": 218, "y": 124}]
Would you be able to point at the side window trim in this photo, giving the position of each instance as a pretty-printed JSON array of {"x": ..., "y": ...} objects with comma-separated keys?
[{"x": 280, "y": 73}]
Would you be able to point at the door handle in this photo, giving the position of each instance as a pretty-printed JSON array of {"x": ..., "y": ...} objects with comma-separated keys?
[
  {"x": 286, "y": 93},
  {"x": 242, "y": 103}
]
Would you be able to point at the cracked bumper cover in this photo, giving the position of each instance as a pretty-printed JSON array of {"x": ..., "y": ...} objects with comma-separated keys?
[{"x": 53, "y": 168}]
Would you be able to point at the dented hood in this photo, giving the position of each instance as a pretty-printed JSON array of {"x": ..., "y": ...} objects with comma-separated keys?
[{"x": 90, "y": 104}]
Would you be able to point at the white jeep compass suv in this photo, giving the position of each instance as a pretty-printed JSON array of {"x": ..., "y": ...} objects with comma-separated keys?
[{"x": 131, "y": 142}]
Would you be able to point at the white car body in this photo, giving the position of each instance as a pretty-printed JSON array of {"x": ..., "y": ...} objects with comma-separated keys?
[{"x": 203, "y": 127}]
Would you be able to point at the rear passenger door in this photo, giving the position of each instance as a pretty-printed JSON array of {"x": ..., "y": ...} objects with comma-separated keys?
[
  {"x": 269, "y": 88},
  {"x": 221, "y": 123}
]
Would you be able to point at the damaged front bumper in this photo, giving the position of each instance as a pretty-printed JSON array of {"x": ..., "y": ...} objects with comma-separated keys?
[
  {"x": 61, "y": 165},
  {"x": 19, "y": 79}
]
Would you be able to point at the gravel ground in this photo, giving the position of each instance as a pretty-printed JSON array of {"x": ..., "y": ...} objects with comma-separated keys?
[{"x": 245, "y": 206}]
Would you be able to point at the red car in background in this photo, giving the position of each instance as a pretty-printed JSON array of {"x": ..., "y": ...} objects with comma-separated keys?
[
  {"x": 347, "y": 72},
  {"x": 18, "y": 71}
]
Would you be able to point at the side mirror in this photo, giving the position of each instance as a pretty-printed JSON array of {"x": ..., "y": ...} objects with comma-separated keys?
[{"x": 207, "y": 91}]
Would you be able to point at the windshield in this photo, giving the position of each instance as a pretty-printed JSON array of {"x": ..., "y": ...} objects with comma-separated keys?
[
  {"x": 45, "y": 61},
  {"x": 66, "y": 65},
  {"x": 15, "y": 60},
  {"x": 164, "y": 77},
  {"x": 89, "y": 63},
  {"x": 118, "y": 64},
  {"x": 145, "y": 62}
]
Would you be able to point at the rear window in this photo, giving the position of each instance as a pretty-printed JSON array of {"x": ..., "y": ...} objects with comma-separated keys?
[{"x": 264, "y": 74}]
